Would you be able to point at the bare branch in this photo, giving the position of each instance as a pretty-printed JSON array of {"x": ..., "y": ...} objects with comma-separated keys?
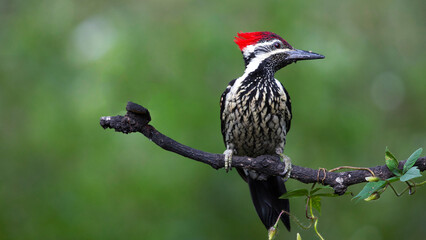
[{"x": 138, "y": 117}]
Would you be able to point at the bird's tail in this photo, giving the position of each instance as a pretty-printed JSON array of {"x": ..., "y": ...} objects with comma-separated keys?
[{"x": 265, "y": 196}]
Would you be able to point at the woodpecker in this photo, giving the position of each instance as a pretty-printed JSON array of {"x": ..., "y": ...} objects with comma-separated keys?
[{"x": 255, "y": 114}]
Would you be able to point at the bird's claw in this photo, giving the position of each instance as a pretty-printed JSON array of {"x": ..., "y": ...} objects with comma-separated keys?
[{"x": 228, "y": 159}]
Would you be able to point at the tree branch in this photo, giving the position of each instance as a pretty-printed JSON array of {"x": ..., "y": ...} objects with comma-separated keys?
[{"x": 138, "y": 117}]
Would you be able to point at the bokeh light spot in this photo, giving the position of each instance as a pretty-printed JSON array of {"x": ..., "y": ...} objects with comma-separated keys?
[{"x": 93, "y": 38}]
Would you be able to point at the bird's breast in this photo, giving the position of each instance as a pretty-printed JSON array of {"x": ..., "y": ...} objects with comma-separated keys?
[{"x": 255, "y": 120}]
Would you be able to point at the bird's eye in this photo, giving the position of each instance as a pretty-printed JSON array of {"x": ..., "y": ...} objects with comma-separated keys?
[{"x": 277, "y": 45}]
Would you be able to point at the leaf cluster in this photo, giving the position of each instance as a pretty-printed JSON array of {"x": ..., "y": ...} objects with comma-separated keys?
[
  {"x": 375, "y": 187},
  {"x": 313, "y": 201},
  {"x": 371, "y": 191}
]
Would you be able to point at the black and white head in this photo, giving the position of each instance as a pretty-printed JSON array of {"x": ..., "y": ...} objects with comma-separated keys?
[{"x": 271, "y": 50}]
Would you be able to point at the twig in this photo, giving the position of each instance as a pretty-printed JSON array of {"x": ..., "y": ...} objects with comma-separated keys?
[{"x": 138, "y": 117}]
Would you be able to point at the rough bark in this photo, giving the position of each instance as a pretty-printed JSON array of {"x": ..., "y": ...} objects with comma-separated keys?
[{"x": 138, "y": 117}]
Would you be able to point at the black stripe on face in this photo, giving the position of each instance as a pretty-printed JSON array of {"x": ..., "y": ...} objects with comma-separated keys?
[{"x": 261, "y": 49}]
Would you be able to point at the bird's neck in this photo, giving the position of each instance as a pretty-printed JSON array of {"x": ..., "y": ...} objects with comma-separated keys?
[
  {"x": 258, "y": 74},
  {"x": 259, "y": 69},
  {"x": 261, "y": 79}
]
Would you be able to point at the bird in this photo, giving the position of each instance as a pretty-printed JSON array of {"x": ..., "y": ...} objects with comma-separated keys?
[{"x": 255, "y": 114}]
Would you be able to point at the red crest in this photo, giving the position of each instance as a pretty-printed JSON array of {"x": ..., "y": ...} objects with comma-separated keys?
[{"x": 245, "y": 39}]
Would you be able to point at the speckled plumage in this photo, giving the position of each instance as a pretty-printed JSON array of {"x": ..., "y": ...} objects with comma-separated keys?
[
  {"x": 255, "y": 117},
  {"x": 255, "y": 114}
]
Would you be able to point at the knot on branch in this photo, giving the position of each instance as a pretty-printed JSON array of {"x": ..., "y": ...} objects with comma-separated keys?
[
  {"x": 135, "y": 119},
  {"x": 138, "y": 117}
]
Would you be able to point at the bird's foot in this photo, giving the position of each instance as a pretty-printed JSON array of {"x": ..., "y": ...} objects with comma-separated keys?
[
  {"x": 228, "y": 159},
  {"x": 288, "y": 167}
]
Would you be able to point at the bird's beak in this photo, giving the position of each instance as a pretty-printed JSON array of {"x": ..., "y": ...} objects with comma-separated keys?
[{"x": 297, "y": 55}]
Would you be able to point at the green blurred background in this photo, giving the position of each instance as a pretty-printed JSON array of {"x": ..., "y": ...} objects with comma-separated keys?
[{"x": 64, "y": 64}]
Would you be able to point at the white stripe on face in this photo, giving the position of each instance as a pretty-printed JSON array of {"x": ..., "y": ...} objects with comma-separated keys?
[
  {"x": 257, "y": 60},
  {"x": 250, "y": 48},
  {"x": 254, "y": 64}
]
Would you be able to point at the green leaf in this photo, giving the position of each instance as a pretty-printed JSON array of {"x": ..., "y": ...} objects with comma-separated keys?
[
  {"x": 316, "y": 203},
  {"x": 372, "y": 179},
  {"x": 411, "y": 160},
  {"x": 331, "y": 194},
  {"x": 392, "y": 163},
  {"x": 413, "y": 172},
  {"x": 319, "y": 188},
  {"x": 372, "y": 197},
  {"x": 295, "y": 193},
  {"x": 326, "y": 195},
  {"x": 369, "y": 189},
  {"x": 393, "y": 179}
]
